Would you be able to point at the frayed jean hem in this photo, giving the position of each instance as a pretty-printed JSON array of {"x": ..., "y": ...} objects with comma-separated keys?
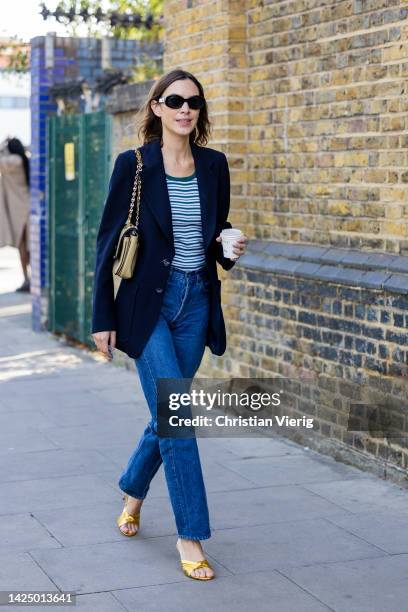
[
  {"x": 191, "y": 537},
  {"x": 133, "y": 494}
]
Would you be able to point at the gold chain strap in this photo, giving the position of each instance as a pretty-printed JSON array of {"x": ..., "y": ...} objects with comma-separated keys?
[{"x": 136, "y": 190}]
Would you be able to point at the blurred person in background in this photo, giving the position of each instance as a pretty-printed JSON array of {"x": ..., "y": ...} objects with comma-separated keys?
[{"x": 15, "y": 202}]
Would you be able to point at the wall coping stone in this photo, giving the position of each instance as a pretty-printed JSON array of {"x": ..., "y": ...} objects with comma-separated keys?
[{"x": 371, "y": 270}]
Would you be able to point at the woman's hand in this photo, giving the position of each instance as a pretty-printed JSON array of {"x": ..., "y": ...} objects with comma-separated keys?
[
  {"x": 238, "y": 246},
  {"x": 103, "y": 339}
]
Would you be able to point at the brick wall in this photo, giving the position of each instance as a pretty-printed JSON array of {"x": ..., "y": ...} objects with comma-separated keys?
[
  {"x": 308, "y": 100},
  {"x": 327, "y": 138},
  {"x": 337, "y": 332}
]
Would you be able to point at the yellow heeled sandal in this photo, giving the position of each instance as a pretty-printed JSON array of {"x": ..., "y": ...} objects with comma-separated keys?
[
  {"x": 125, "y": 517},
  {"x": 189, "y": 567}
]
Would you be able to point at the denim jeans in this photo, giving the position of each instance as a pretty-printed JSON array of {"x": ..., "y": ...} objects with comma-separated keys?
[{"x": 174, "y": 350}]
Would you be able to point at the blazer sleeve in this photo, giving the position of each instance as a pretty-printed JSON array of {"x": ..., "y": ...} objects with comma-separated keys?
[
  {"x": 224, "y": 206},
  {"x": 114, "y": 215}
]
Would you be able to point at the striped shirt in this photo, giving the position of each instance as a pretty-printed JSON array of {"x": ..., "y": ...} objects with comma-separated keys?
[{"x": 186, "y": 218}]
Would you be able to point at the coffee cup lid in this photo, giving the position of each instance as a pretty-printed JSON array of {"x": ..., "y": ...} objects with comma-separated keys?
[{"x": 231, "y": 232}]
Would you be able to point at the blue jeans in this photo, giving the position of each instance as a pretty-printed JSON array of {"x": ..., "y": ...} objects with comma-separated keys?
[{"x": 174, "y": 350}]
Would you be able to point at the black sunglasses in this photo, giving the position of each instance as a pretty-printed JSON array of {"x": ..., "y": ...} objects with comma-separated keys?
[{"x": 176, "y": 101}]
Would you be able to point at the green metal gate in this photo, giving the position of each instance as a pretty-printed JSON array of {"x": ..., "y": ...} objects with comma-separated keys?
[{"x": 79, "y": 160}]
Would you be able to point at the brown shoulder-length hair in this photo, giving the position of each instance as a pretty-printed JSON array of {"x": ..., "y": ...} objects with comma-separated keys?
[{"x": 150, "y": 126}]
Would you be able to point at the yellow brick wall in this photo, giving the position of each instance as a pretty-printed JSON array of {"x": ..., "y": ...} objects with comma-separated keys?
[
  {"x": 308, "y": 99},
  {"x": 309, "y": 102}
]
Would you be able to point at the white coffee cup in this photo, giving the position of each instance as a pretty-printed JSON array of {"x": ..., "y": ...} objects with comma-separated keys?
[{"x": 228, "y": 237}]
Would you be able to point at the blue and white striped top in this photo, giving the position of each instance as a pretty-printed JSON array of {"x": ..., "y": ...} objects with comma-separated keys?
[{"x": 186, "y": 218}]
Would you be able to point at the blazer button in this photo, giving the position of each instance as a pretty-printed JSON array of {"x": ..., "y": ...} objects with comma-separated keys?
[
  {"x": 159, "y": 290},
  {"x": 166, "y": 262}
]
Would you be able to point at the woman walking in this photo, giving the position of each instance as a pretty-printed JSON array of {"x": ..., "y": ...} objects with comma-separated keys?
[
  {"x": 170, "y": 310},
  {"x": 15, "y": 202}
]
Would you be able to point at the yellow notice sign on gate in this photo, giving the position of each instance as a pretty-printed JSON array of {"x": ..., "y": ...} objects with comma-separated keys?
[{"x": 69, "y": 159}]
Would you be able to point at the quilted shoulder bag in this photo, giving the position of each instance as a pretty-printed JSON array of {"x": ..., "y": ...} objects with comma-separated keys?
[{"x": 125, "y": 255}]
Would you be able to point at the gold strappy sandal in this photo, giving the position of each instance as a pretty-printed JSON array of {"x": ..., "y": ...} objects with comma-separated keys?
[
  {"x": 125, "y": 517},
  {"x": 190, "y": 566}
]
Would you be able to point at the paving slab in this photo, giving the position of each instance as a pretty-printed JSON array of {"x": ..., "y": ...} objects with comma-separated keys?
[
  {"x": 361, "y": 585},
  {"x": 24, "y": 439},
  {"x": 262, "y": 591},
  {"x": 386, "y": 529},
  {"x": 115, "y": 565},
  {"x": 289, "y": 544},
  {"x": 292, "y": 469},
  {"x": 70, "y": 528},
  {"x": 119, "y": 395},
  {"x": 56, "y": 493},
  {"x": 51, "y": 464},
  {"x": 20, "y": 572},
  {"x": 52, "y": 416},
  {"x": 97, "y": 435},
  {"x": 262, "y": 506},
  {"x": 250, "y": 447},
  {"x": 23, "y": 532},
  {"x": 56, "y": 399},
  {"x": 27, "y": 419},
  {"x": 362, "y": 495}
]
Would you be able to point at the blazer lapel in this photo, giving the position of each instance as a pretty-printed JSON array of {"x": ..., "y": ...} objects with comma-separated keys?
[
  {"x": 207, "y": 186},
  {"x": 155, "y": 193}
]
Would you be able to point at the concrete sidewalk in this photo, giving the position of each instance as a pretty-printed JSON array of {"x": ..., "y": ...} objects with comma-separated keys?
[{"x": 293, "y": 531}]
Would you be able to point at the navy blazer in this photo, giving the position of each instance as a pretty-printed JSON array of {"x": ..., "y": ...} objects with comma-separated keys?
[{"x": 135, "y": 311}]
